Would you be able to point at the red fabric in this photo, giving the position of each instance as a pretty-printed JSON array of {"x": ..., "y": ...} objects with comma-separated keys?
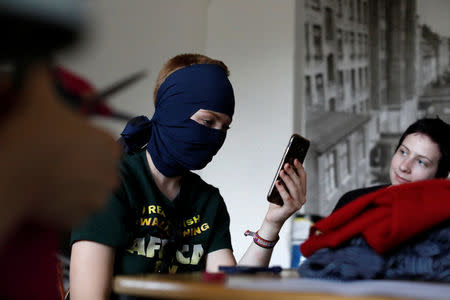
[
  {"x": 28, "y": 265},
  {"x": 81, "y": 88},
  {"x": 385, "y": 218},
  {"x": 213, "y": 277}
]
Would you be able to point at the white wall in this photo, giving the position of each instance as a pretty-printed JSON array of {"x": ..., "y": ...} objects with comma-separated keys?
[
  {"x": 256, "y": 40},
  {"x": 128, "y": 36},
  {"x": 435, "y": 14}
]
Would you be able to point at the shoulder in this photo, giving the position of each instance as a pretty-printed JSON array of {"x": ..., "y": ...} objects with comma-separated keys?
[
  {"x": 136, "y": 181},
  {"x": 362, "y": 191},
  {"x": 202, "y": 196},
  {"x": 132, "y": 162},
  {"x": 195, "y": 178},
  {"x": 199, "y": 185},
  {"x": 134, "y": 170},
  {"x": 354, "y": 194}
]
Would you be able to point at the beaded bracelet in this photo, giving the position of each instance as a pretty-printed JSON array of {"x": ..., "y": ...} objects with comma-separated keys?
[{"x": 258, "y": 240}]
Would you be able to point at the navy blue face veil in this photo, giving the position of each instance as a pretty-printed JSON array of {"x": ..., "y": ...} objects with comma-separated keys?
[{"x": 177, "y": 142}]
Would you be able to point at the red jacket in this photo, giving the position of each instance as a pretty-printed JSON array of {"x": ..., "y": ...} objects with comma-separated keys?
[{"x": 385, "y": 218}]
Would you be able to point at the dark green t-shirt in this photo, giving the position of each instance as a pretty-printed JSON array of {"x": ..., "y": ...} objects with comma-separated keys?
[{"x": 138, "y": 220}]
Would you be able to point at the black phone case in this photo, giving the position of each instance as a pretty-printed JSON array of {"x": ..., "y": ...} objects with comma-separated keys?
[{"x": 296, "y": 148}]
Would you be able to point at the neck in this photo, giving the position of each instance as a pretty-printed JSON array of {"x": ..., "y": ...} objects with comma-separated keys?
[{"x": 169, "y": 186}]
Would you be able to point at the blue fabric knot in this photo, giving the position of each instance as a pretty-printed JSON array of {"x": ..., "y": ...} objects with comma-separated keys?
[{"x": 136, "y": 134}]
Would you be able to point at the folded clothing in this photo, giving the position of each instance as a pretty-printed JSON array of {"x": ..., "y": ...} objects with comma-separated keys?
[
  {"x": 385, "y": 218},
  {"x": 425, "y": 257}
]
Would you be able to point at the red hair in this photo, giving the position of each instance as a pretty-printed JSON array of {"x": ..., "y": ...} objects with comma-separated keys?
[{"x": 181, "y": 61}]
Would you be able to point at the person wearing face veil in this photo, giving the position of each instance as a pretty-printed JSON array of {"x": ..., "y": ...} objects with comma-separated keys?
[{"x": 164, "y": 218}]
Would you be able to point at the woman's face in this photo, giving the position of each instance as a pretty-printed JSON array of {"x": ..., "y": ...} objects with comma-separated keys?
[{"x": 416, "y": 159}]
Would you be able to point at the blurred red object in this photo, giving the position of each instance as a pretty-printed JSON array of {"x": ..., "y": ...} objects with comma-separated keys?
[
  {"x": 213, "y": 277},
  {"x": 79, "y": 93}
]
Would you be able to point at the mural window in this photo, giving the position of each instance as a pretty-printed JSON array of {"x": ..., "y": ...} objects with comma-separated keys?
[
  {"x": 360, "y": 146},
  {"x": 340, "y": 44},
  {"x": 307, "y": 46},
  {"x": 332, "y": 104},
  {"x": 341, "y": 87},
  {"x": 339, "y": 9},
  {"x": 344, "y": 159},
  {"x": 365, "y": 13},
  {"x": 378, "y": 124},
  {"x": 383, "y": 67},
  {"x": 330, "y": 172},
  {"x": 382, "y": 8},
  {"x": 308, "y": 94},
  {"x": 352, "y": 44},
  {"x": 314, "y": 4},
  {"x": 353, "y": 82},
  {"x": 366, "y": 45},
  {"x": 360, "y": 77},
  {"x": 330, "y": 68},
  {"x": 382, "y": 39},
  {"x": 366, "y": 76},
  {"x": 384, "y": 96},
  {"x": 358, "y": 11},
  {"x": 351, "y": 10},
  {"x": 317, "y": 32},
  {"x": 329, "y": 27},
  {"x": 320, "y": 88},
  {"x": 360, "y": 45},
  {"x": 349, "y": 156}
]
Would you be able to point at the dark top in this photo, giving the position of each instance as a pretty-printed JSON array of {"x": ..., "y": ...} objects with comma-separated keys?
[
  {"x": 354, "y": 194},
  {"x": 139, "y": 220}
]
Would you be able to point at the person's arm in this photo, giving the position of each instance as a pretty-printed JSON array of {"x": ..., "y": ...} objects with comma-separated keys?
[
  {"x": 222, "y": 257},
  {"x": 91, "y": 271},
  {"x": 293, "y": 198}
]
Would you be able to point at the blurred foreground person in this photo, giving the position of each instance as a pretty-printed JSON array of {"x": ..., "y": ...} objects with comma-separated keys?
[{"x": 55, "y": 167}]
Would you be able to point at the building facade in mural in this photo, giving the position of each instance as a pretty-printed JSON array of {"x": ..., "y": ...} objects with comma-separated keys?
[{"x": 370, "y": 69}]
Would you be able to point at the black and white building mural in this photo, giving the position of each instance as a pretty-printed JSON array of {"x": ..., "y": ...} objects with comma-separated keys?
[{"x": 371, "y": 68}]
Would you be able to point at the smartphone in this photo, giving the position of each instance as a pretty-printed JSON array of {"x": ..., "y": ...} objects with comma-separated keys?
[
  {"x": 296, "y": 149},
  {"x": 249, "y": 269}
]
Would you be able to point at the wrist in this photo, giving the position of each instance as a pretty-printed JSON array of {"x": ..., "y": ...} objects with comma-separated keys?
[
  {"x": 273, "y": 224},
  {"x": 261, "y": 242},
  {"x": 269, "y": 230}
]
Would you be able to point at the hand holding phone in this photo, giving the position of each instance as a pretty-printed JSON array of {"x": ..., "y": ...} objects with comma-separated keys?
[{"x": 296, "y": 149}]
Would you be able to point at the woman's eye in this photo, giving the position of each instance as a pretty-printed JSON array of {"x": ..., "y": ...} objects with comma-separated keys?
[
  {"x": 206, "y": 122},
  {"x": 421, "y": 162},
  {"x": 402, "y": 152}
]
